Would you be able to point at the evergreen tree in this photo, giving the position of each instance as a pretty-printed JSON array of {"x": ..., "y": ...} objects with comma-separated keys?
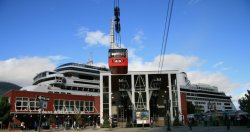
[
  {"x": 244, "y": 102},
  {"x": 4, "y": 110},
  {"x": 190, "y": 108}
]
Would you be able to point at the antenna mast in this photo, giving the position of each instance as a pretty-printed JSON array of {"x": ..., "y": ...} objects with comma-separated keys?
[{"x": 112, "y": 40}]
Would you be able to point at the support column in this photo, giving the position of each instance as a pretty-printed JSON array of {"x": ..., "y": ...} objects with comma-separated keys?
[
  {"x": 101, "y": 99},
  {"x": 133, "y": 95},
  {"x": 110, "y": 97},
  {"x": 170, "y": 96}
]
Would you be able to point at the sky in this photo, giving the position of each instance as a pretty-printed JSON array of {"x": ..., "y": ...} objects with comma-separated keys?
[{"x": 208, "y": 39}]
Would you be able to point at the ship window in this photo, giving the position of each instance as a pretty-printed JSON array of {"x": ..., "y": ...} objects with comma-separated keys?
[
  {"x": 80, "y": 89},
  {"x": 68, "y": 88},
  {"x": 86, "y": 89},
  {"x": 86, "y": 77},
  {"x": 97, "y": 90},
  {"x": 228, "y": 107}
]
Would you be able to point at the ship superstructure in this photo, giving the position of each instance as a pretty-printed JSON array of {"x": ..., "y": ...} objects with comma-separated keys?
[
  {"x": 206, "y": 98},
  {"x": 69, "y": 78}
]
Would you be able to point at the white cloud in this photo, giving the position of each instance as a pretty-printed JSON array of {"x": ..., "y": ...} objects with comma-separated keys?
[
  {"x": 183, "y": 63},
  {"x": 57, "y": 57},
  {"x": 94, "y": 37},
  {"x": 246, "y": 86},
  {"x": 97, "y": 37},
  {"x": 171, "y": 62},
  {"x": 21, "y": 71},
  {"x": 193, "y": 2},
  {"x": 216, "y": 79},
  {"x": 239, "y": 93},
  {"x": 218, "y": 64},
  {"x": 138, "y": 37}
]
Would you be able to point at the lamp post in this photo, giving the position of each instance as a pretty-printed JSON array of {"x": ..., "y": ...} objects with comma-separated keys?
[
  {"x": 167, "y": 103},
  {"x": 168, "y": 117}
]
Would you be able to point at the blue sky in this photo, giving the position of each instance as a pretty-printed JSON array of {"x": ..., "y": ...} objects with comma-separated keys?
[{"x": 208, "y": 39}]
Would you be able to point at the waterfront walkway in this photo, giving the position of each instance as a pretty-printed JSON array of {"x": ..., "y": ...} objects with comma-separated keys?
[{"x": 148, "y": 129}]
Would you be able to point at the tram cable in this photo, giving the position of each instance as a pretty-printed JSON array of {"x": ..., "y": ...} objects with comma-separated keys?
[
  {"x": 165, "y": 34},
  {"x": 117, "y": 23}
]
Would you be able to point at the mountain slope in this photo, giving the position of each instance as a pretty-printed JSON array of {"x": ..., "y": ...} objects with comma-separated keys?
[{"x": 6, "y": 86}]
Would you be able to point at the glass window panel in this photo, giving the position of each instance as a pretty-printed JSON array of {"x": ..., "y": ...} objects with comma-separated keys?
[
  {"x": 81, "y": 103},
  {"x": 61, "y": 102},
  {"x": 106, "y": 106},
  {"x": 105, "y": 98},
  {"x": 77, "y": 103},
  {"x": 56, "y": 102},
  {"x": 18, "y": 103},
  {"x": 18, "y": 98},
  {"x": 18, "y": 108}
]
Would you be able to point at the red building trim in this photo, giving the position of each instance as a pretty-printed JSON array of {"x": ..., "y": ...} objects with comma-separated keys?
[
  {"x": 52, "y": 96},
  {"x": 184, "y": 106}
]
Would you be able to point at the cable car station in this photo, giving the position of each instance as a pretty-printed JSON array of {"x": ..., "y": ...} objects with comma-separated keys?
[{"x": 125, "y": 98}]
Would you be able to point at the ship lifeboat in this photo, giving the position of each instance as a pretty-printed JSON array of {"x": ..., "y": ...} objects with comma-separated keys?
[{"x": 118, "y": 61}]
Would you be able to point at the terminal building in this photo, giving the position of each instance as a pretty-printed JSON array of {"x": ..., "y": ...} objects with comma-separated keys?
[{"x": 139, "y": 97}]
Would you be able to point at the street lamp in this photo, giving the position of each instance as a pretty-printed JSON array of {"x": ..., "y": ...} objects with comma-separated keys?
[
  {"x": 167, "y": 103},
  {"x": 168, "y": 117}
]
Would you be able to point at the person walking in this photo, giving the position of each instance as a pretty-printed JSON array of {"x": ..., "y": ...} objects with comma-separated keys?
[
  {"x": 94, "y": 125},
  {"x": 152, "y": 123},
  {"x": 22, "y": 126},
  {"x": 74, "y": 125},
  {"x": 35, "y": 126},
  {"x": 190, "y": 123}
]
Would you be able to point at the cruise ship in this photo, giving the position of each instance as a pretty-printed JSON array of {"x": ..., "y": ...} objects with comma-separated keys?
[
  {"x": 204, "y": 97},
  {"x": 69, "y": 78}
]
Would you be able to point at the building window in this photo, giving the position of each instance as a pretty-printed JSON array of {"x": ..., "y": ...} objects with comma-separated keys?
[
  {"x": 72, "y": 105},
  {"x": 67, "y": 105},
  {"x": 58, "y": 104},
  {"x": 21, "y": 103},
  {"x": 79, "y": 105},
  {"x": 34, "y": 104},
  {"x": 89, "y": 105}
]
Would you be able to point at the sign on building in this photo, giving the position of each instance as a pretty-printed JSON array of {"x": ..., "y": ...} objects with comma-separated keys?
[{"x": 142, "y": 117}]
